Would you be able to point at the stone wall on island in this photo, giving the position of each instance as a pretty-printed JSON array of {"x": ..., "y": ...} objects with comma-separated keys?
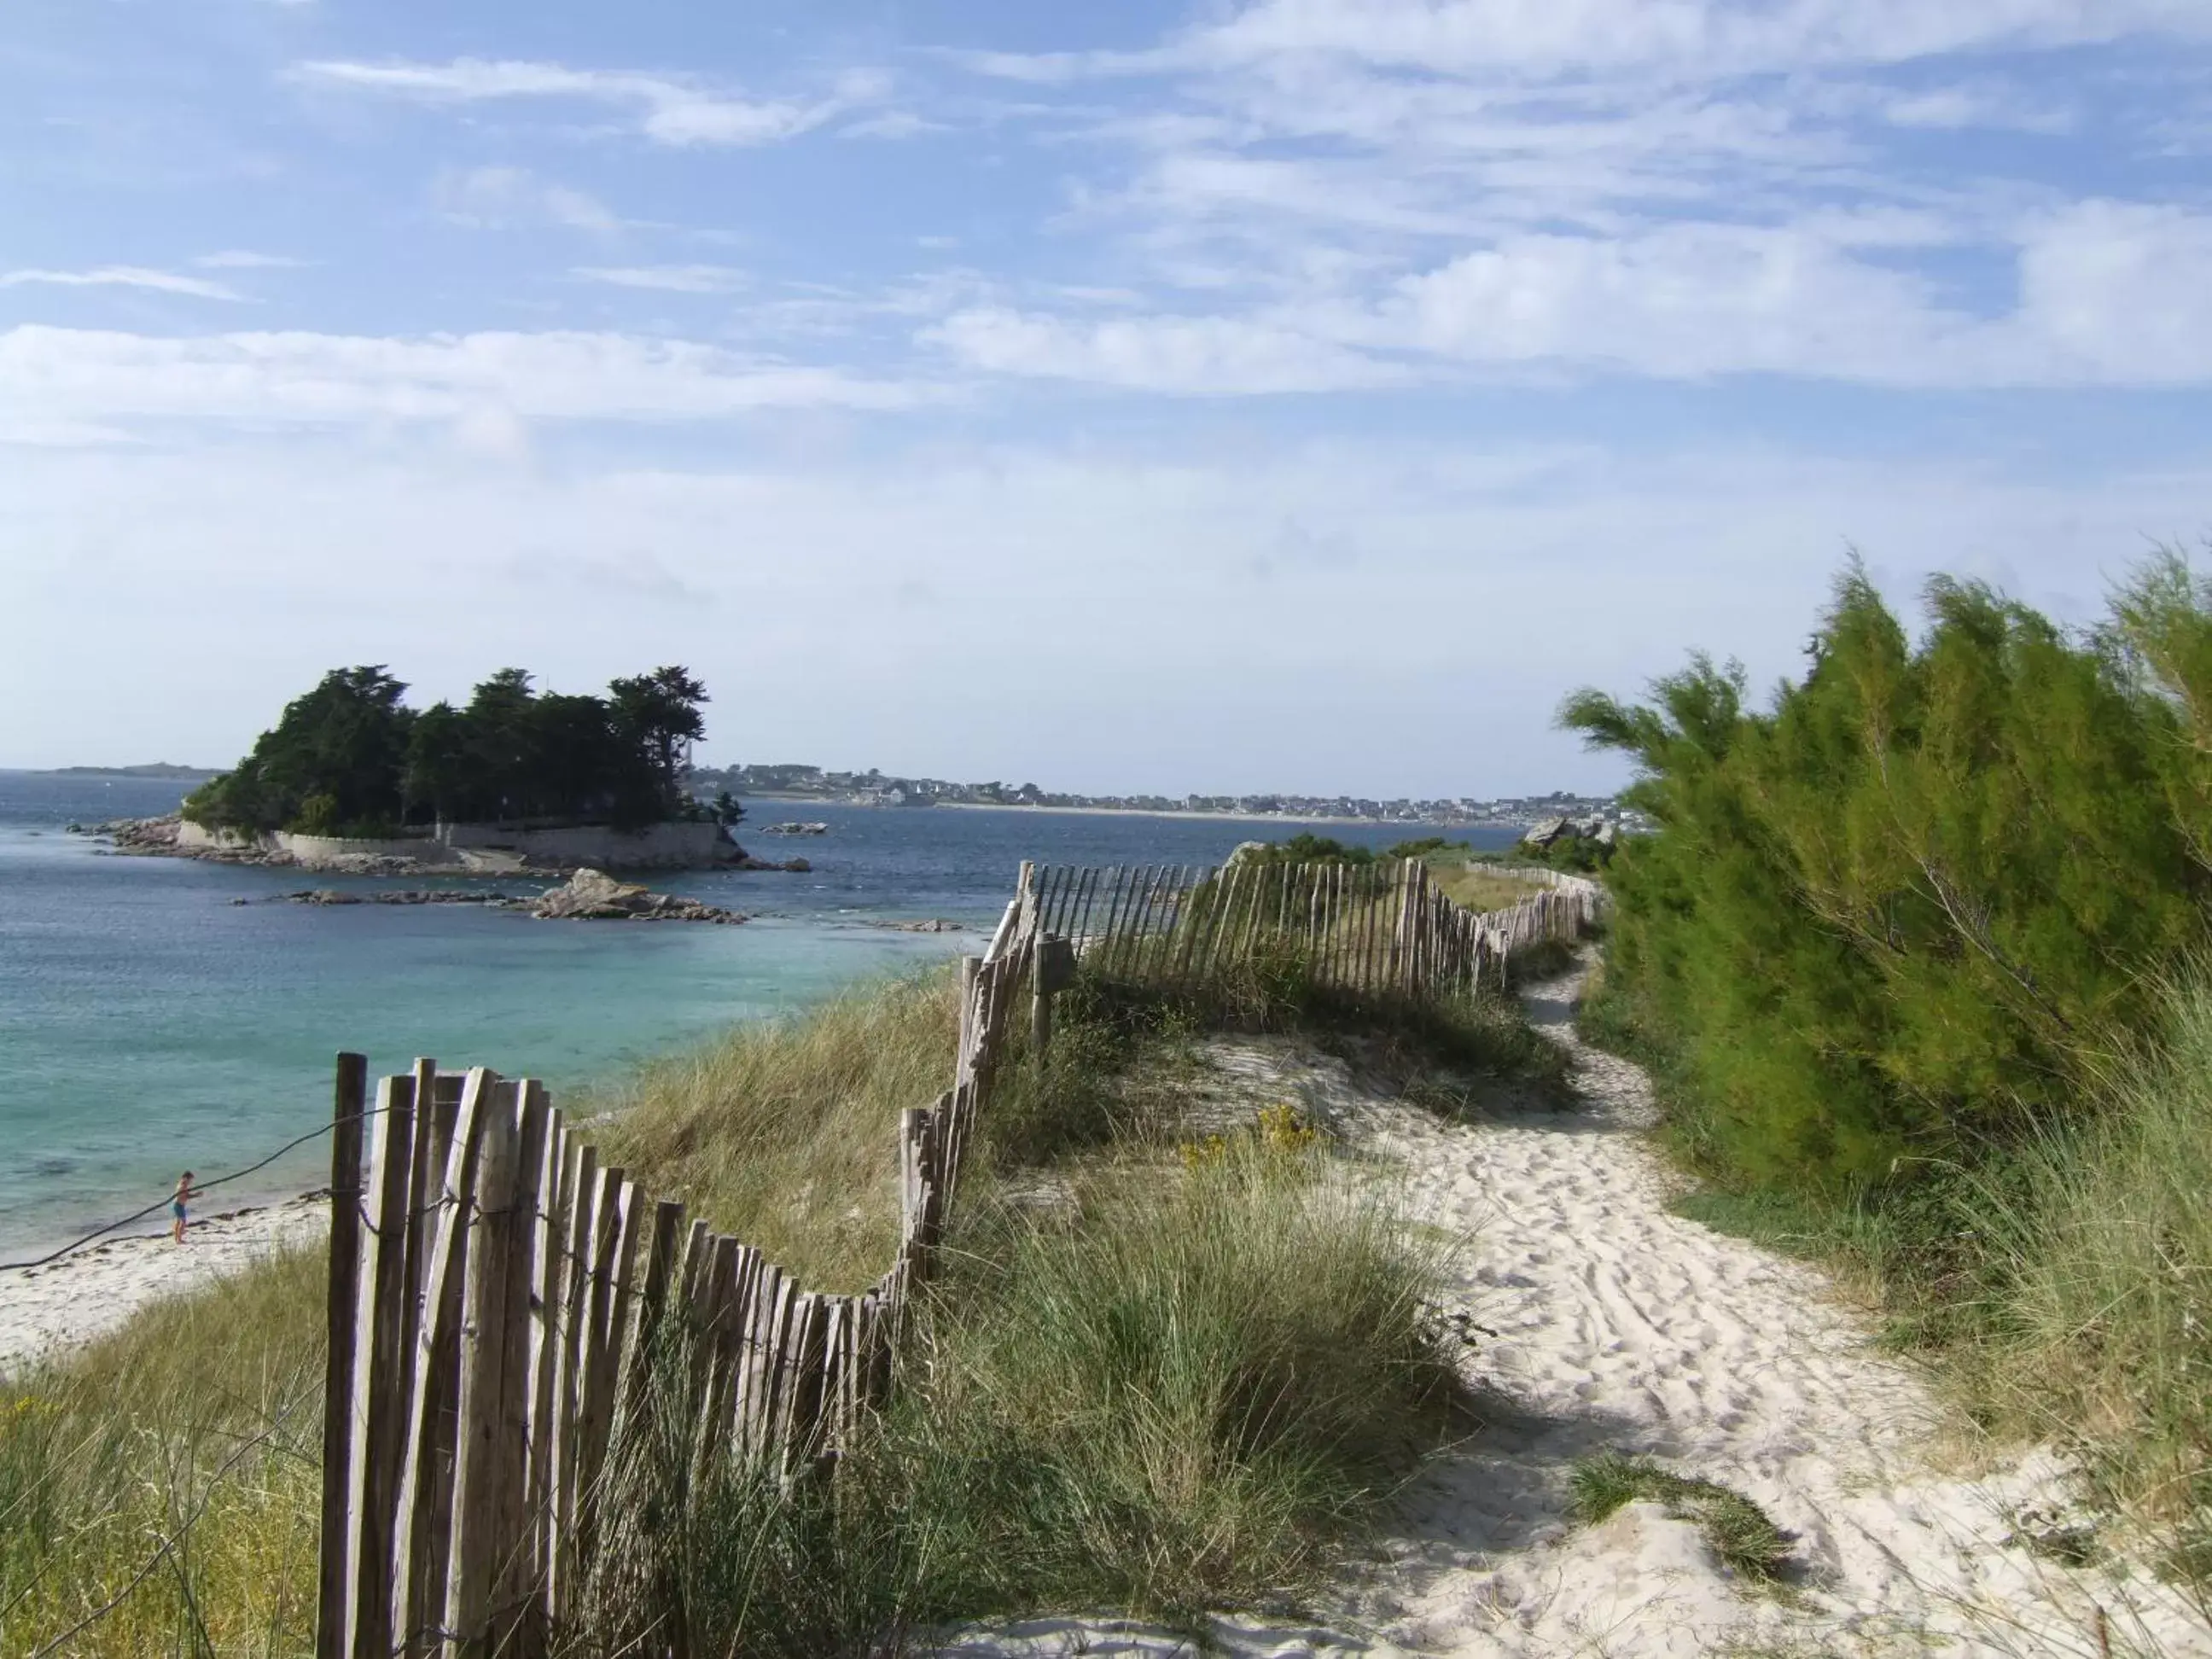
[{"x": 485, "y": 847}]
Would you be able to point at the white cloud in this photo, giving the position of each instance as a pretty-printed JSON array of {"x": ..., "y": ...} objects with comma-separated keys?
[
  {"x": 246, "y": 259},
  {"x": 1319, "y": 194},
  {"x": 2110, "y": 294},
  {"x": 895, "y": 123},
  {"x": 322, "y": 380},
  {"x": 158, "y": 281},
  {"x": 668, "y": 279},
  {"x": 668, "y": 109},
  {"x": 1684, "y": 301},
  {"x": 2117, "y": 292},
  {"x": 1703, "y": 39},
  {"x": 501, "y": 198},
  {"x": 1186, "y": 356}
]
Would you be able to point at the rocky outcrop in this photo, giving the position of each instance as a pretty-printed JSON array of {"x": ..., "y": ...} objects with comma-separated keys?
[
  {"x": 1555, "y": 830},
  {"x": 797, "y": 830},
  {"x": 933, "y": 925},
  {"x": 595, "y": 895},
  {"x": 166, "y": 838}
]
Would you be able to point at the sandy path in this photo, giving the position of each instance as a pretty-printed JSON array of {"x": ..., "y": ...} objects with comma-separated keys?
[
  {"x": 1622, "y": 1326},
  {"x": 51, "y": 1309}
]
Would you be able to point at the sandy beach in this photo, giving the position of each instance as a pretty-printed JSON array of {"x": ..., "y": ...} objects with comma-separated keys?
[{"x": 46, "y": 1312}]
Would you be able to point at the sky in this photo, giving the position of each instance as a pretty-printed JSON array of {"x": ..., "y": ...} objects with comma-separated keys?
[{"x": 1167, "y": 396}]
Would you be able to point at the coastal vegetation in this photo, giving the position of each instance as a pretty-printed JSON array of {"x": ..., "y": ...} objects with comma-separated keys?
[
  {"x": 350, "y": 758},
  {"x": 163, "y": 1488},
  {"x": 1916, "y": 955},
  {"x": 1479, "y": 886},
  {"x": 1168, "y": 1368}
]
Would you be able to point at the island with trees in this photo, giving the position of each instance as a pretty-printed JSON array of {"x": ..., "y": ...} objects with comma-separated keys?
[{"x": 352, "y": 776}]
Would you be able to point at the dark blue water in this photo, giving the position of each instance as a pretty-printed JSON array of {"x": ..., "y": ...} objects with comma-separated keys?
[{"x": 149, "y": 1023}]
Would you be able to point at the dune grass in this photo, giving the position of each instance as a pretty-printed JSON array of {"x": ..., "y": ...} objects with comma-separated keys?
[
  {"x": 1409, "y": 1041},
  {"x": 1480, "y": 887},
  {"x": 1740, "y": 1533},
  {"x": 2103, "y": 1244},
  {"x": 1181, "y": 1390},
  {"x": 206, "y": 1410},
  {"x": 784, "y": 1133}
]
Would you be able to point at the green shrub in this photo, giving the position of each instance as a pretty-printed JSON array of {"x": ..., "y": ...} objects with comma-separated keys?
[
  {"x": 1582, "y": 854},
  {"x": 1427, "y": 847},
  {"x": 1883, "y": 921},
  {"x": 1306, "y": 848}
]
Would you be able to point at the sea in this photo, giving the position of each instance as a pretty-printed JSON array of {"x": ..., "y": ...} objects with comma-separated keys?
[{"x": 159, "y": 1014}]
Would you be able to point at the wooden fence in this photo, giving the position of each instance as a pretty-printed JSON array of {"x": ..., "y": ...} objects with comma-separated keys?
[
  {"x": 500, "y": 1304},
  {"x": 1367, "y": 929}
]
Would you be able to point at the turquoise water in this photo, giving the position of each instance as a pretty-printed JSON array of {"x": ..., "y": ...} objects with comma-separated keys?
[{"x": 149, "y": 1022}]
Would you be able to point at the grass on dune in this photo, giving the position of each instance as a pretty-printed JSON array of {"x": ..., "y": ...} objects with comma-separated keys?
[
  {"x": 2103, "y": 1244},
  {"x": 206, "y": 1409},
  {"x": 784, "y": 1133},
  {"x": 1479, "y": 887},
  {"x": 1740, "y": 1533},
  {"x": 1182, "y": 1390},
  {"x": 1416, "y": 1044}
]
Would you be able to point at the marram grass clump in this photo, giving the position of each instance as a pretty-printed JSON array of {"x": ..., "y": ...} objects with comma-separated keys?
[
  {"x": 162, "y": 1487},
  {"x": 1739, "y": 1533},
  {"x": 1181, "y": 1388},
  {"x": 786, "y": 1133},
  {"x": 2105, "y": 1332}
]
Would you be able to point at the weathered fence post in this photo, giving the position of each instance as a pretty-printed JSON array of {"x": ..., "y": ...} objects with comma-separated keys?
[
  {"x": 1051, "y": 972},
  {"x": 375, "y": 1431},
  {"x": 350, "y": 1102},
  {"x": 479, "y": 1505}
]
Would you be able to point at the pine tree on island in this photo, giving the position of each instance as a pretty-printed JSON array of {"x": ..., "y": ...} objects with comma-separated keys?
[{"x": 350, "y": 759}]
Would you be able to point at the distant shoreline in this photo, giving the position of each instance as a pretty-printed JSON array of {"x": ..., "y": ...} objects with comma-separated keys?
[
  {"x": 1223, "y": 817},
  {"x": 157, "y": 771}
]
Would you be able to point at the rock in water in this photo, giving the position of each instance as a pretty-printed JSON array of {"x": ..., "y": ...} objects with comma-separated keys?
[
  {"x": 595, "y": 895},
  {"x": 592, "y": 893}
]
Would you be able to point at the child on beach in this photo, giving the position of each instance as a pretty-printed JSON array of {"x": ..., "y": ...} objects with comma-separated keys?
[{"x": 186, "y": 1194}]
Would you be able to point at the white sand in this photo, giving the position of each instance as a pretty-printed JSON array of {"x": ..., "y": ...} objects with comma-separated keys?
[
  {"x": 48, "y": 1311},
  {"x": 1622, "y": 1326}
]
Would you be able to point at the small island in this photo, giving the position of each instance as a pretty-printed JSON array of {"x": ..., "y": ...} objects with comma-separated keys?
[{"x": 351, "y": 778}]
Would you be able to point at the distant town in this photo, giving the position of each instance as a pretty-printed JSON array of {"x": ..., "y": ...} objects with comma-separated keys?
[{"x": 876, "y": 788}]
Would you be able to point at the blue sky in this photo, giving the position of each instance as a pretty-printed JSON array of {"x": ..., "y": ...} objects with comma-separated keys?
[{"x": 1256, "y": 393}]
